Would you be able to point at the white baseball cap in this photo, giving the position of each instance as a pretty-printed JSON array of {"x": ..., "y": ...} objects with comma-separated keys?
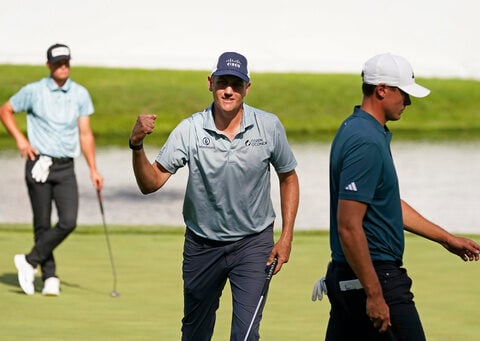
[{"x": 392, "y": 70}]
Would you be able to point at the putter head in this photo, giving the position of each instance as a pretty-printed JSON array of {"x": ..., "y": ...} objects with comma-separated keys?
[{"x": 115, "y": 294}]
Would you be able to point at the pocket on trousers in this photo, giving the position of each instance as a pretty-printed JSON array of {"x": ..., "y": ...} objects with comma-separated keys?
[{"x": 396, "y": 285}]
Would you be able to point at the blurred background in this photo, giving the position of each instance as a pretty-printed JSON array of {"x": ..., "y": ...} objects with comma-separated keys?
[{"x": 438, "y": 37}]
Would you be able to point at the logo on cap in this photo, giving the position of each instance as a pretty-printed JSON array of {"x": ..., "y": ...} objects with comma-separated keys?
[
  {"x": 234, "y": 63},
  {"x": 58, "y": 52}
]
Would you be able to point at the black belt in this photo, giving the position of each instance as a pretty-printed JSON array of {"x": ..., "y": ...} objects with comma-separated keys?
[
  {"x": 375, "y": 263},
  {"x": 61, "y": 160}
]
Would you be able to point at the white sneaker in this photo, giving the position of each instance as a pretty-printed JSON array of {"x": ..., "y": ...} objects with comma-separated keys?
[
  {"x": 26, "y": 274},
  {"x": 51, "y": 287}
]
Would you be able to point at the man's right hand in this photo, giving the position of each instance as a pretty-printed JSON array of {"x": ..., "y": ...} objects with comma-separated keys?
[
  {"x": 26, "y": 149},
  {"x": 143, "y": 127},
  {"x": 7, "y": 118},
  {"x": 378, "y": 312}
]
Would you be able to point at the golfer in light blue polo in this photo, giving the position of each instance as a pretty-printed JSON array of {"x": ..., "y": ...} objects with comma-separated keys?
[{"x": 230, "y": 149}]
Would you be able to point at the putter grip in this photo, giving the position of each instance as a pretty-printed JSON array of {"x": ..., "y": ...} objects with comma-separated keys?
[
  {"x": 100, "y": 201},
  {"x": 272, "y": 268}
]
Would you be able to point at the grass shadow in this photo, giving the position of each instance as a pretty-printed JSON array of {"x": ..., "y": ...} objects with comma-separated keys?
[
  {"x": 11, "y": 280},
  {"x": 81, "y": 288}
]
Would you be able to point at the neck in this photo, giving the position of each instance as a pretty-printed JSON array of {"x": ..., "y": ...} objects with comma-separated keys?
[
  {"x": 59, "y": 82},
  {"x": 227, "y": 122},
  {"x": 373, "y": 108}
]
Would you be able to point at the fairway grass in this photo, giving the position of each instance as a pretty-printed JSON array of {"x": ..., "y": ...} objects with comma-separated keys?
[{"x": 148, "y": 262}]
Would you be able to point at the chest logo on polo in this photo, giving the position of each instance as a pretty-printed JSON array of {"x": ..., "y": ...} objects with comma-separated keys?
[
  {"x": 352, "y": 186},
  {"x": 255, "y": 142},
  {"x": 206, "y": 143}
]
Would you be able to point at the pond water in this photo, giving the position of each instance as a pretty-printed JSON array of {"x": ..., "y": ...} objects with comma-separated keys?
[{"x": 441, "y": 181}]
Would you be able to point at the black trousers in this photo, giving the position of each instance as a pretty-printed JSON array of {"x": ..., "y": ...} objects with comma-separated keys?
[
  {"x": 60, "y": 188},
  {"x": 206, "y": 267},
  {"x": 348, "y": 318}
]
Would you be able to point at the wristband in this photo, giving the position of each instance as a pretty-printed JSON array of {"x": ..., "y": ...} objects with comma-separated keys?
[{"x": 132, "y": 147}]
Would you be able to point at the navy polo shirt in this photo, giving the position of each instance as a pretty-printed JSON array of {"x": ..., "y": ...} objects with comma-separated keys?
[
  {"x": 228, "y": 189},
  {"x": 362, "y": 169}
]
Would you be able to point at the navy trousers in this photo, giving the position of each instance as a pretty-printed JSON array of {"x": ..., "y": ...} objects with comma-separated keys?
[
  {"x": 348, "y": 318},
  {"x": 206, "y": 267},
  {"x": 60, "y": 188}
]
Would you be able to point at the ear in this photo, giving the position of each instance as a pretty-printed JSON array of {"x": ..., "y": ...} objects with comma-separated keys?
[
  {"x": 49, "y": 67},
  {"x": 380, "y": 91},
  {"x": 210, "y": 83},
  {"x": 247, "y": 88}
]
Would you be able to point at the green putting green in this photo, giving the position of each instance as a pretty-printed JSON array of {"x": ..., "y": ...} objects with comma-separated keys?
[{"x": 148, "y": 264}]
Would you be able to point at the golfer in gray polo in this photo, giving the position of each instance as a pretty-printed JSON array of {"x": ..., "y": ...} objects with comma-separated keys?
[{"x": 230, "y": 149}]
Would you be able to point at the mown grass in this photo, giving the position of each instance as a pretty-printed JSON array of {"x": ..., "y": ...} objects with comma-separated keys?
[
  {"x": 311, "y": 106},
  {"x": 148, "y": 258},
  {"x": 148, "y": 261}
]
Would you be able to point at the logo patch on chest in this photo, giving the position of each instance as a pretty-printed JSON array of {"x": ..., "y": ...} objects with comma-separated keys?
[
  {"x": 206, "y": 143},
  {"x": 255, "y": 142}
]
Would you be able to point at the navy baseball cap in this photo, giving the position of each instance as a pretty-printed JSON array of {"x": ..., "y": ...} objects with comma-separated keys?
[
  {"x": 58, "y": 52},
  {"x": 232, "y": 63}
]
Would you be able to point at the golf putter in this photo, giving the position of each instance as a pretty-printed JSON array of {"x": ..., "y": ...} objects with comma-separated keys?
[
  {"x": 115, "y": 293},
  {"x": 262, "y": 295}
]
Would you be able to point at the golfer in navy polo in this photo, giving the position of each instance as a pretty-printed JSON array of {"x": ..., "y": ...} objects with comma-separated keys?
[
  {"x": 367, "y": 286},
  {"x": 230, "y": 149}
]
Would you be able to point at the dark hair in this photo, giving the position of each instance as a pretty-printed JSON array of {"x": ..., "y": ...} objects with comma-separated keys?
[{"x": 368, "y": 89}]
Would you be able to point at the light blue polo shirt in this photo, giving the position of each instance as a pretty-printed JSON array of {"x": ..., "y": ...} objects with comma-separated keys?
[
  {"x": 52, "y": 115},
  {"x": 362, "y": 169},
  {"x": 228, "y": 189}
]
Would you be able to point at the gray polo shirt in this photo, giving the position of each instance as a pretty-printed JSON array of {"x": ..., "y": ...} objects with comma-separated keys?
[{"x": 228, "y": 190}]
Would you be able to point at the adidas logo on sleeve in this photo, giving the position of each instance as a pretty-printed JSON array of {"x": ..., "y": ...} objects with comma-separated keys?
[{"x": 351, "y": 187}]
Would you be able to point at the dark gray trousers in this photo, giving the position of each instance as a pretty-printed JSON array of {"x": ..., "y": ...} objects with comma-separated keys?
[
  {"x": 206, "y": 267},
  {"x": 60, "y": 188}
]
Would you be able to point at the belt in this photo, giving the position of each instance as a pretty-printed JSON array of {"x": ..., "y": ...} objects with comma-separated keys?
[
  {"x": 216, "y": 243},
  {"x": 375, "y": 263},
  {"x": 61, "y": 160},
  {"x": 55, "y": 160},
  {"x": 209, "y": 242}
]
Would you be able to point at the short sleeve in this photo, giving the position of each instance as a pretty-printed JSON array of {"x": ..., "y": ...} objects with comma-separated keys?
[
  {"x": 360, "y": 172},
  {"x": 175, "y": 152},
  {"x": 22, "y": 100},
  {"x": 283, "y": 159},
  {"x": 85, "y": 106}
]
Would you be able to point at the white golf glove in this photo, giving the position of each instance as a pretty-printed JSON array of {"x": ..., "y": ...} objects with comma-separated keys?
[
  {"x": 319, "y": 289},
  {"x": 41, "y": 168}
]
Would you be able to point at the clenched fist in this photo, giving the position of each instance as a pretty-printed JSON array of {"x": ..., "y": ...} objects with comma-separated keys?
[{"x": 143, "y": 127}]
